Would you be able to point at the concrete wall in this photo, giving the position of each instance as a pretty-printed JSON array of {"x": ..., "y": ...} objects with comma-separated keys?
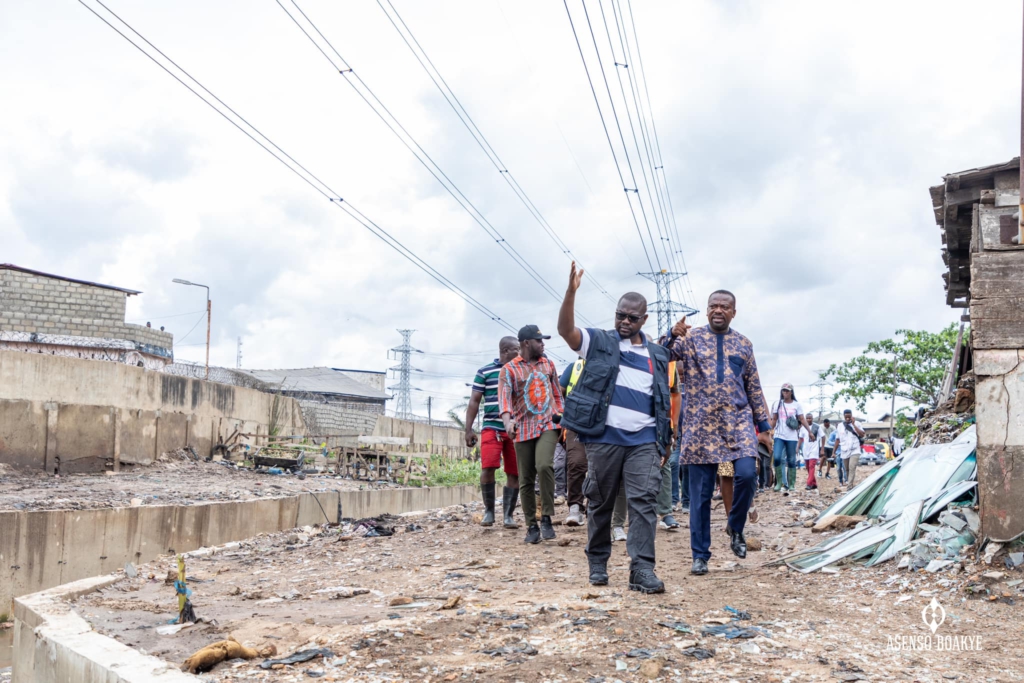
[
  {"x": 419, "y": 432},
  {"x": 39, "y": 550},
  {"x": 53, "y": 644},
  {"x": 79, "y": 415},
  {"x": 34, "y": 303}
]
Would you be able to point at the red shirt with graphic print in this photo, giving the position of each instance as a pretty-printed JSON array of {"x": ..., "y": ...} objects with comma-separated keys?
[{"x": 529, "y": 392}]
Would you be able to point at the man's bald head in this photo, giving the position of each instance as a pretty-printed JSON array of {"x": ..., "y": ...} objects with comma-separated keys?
[
  {"x": 508, "y": 348},
  {"x": 634, "y": 300}
]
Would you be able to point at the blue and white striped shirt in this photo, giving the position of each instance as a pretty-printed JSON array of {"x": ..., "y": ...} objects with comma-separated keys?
[{"x": 630, "y": 420}]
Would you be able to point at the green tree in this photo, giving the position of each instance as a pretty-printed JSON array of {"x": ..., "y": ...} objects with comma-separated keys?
[
  {"x": 915, "y": 360},
  {"x": 457, "y": 414}
]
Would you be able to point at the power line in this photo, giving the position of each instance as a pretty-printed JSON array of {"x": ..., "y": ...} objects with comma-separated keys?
[
  {"x": 305, "y": 175},
  {"x": 395, "y": 126},
  {"x": 619, "y": 67},
  {"x": 657, "y": 208},
  {"x": 453, "y": 101},
  {"x": 657, "y": 146},
  {"x": 608, "y": 137}
]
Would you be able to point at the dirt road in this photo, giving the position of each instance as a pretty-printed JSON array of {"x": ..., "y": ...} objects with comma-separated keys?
[{"x": 527, "y": 613}]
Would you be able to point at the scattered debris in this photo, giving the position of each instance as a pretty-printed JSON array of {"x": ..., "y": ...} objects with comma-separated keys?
[
  {"x": 297, "y": 657},
  {"x": 215, "y": 653}
]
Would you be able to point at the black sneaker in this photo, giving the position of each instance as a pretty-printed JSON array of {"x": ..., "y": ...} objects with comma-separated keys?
[
  {"x": 547, "y": 532},
  {"x": 645, "y": 581},
  {"x": 738, "y": 544},
  {"x": 598, "y": 575},
  {"x": 532, "y": 534},
  {"x": 700, "y": 567}
]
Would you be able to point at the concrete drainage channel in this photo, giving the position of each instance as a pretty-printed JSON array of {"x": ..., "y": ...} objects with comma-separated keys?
[{"x": 52, "y": 644}]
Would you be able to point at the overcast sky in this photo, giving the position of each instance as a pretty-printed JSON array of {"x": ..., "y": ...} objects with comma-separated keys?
[{"x": 799, "y": 140}]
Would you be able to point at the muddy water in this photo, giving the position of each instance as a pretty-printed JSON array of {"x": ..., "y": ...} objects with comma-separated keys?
[{"x": 6, "y": 647}]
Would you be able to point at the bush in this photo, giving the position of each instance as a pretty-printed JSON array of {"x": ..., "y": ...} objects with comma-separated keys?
[{"x": 456, "y": 472}]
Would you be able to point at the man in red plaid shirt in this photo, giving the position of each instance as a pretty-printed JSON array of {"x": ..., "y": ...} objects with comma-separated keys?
[{"x": 529, "y": 398}]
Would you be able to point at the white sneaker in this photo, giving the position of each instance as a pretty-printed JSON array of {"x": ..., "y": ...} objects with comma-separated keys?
[
  {"x": 618, "y": 534},
  {"x": 575, "y": 517},
  {"x": 559, "y": 500}
]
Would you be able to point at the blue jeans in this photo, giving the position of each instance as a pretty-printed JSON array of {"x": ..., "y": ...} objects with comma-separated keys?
[
  {"x": 702, "y": 486},
  {"x": 680, "y": 480},
  {"x": 841, "y": 466},
  {"x": 784, "y": 448}
]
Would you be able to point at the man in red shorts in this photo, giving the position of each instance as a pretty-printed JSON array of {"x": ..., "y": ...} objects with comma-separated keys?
[{"x": 496, "y": 447}]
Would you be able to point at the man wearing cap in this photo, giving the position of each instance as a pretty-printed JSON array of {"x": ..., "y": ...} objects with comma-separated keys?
[
  {"x": 620, "y": 410},
  {"x": 529, "y": 399},
  {"x": 723, "y": 403}
]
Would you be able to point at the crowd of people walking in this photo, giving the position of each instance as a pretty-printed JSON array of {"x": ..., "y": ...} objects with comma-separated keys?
[{"x": 637, "y": 429}]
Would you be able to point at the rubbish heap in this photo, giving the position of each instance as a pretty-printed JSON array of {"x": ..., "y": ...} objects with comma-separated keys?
[{"x": 918, "y": 504}]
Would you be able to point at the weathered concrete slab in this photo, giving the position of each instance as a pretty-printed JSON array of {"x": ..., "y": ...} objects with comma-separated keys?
[
  {"x": 53, "y": 644},
  {"x": 46, "y": 548}
]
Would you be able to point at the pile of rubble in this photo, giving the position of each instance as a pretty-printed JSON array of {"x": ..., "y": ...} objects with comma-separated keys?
[{"x": 892, "y": 507}]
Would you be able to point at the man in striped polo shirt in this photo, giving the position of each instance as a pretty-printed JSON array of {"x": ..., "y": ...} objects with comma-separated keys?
[
  {"x": 496, "y": 447},
  {"x": 621, "y": 410}
]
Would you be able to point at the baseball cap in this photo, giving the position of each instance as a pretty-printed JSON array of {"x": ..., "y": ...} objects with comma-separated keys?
[
  {"x": 532, "y": 332},
  {"x": 787, "y": 385}
]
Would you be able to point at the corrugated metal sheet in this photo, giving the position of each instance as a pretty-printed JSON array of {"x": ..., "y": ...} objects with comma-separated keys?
[{"x": 317, "y": 381}]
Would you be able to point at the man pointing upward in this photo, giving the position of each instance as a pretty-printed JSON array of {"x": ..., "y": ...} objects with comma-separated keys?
[{"x": 619, "y": 408}]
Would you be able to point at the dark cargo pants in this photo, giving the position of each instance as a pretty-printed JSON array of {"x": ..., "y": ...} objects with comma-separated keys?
[{"x": 638, "y": 470}]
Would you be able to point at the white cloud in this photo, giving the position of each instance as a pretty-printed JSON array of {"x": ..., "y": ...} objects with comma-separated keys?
[{"x": 799, "y": 140}]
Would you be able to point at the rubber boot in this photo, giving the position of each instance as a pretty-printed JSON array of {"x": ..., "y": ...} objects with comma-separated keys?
[
  {"x": 792, "y": 478},
  {"x": 778, "y": 478},
  {"x": 511, "y": 498},
  {"x": 487, "y": 490}
]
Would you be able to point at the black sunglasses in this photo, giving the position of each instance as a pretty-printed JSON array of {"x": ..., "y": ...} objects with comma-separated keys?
[{"x": 619, "y": 315}]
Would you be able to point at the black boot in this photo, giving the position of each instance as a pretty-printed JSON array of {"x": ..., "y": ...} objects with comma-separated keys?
[
  {"x": 700, "y": 566},
  {"x": 598, "y": 575},
  {"x": 487, "y": 490},
  {"x": 645, "y": 581},
  {"x": 511, "y": 498},
  {"x": 547, "y": 532},
  {"x": 738, "y": 544}
]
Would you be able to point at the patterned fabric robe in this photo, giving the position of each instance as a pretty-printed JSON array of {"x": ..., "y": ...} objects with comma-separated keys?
[{"x": 723, "y": 398}]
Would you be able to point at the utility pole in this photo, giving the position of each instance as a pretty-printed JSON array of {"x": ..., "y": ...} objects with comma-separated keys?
[
  {"x": 403, "y": 390},
  {"x": 208, "y": 317},
  {"x": 666, "y": 309},
  {"x": 892, "y": 408},
  {"x": 821, "y": 397},
  {"x": 430, "y": 419},
  {"x": 238, "y": 358}
]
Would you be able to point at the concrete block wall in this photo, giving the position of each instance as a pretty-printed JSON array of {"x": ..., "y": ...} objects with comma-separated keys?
[
  {"x": 35, "y": 303},
  {"x": 42, "y": 549},
  {"x": 79, "y": 415}
]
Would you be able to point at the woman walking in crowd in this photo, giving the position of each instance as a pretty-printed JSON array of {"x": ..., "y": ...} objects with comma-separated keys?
[{"x": 787, "y": 417}]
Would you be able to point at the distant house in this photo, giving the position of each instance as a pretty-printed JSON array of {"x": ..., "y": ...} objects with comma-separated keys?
[
  {"x": 62, "y": 316},
  {"x": 333, "y": 403}
]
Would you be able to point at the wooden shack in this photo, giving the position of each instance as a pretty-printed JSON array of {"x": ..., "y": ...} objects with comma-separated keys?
[{"x": 977, "y": 211}]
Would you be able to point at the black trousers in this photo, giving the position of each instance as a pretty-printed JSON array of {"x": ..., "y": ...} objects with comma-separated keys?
[{"x": 638, "y": 470}]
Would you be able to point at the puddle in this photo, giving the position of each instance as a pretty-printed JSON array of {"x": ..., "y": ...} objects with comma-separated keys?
[{"x": 6, "y": 647}]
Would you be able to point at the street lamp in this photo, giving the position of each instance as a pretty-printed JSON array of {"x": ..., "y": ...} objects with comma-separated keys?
[{"x": 208, "y": 314}]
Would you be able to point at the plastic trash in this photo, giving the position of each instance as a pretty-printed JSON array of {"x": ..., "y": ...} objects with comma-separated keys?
[{"x": 297, "y": 657}]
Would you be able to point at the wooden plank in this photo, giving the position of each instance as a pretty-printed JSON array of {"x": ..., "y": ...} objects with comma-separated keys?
[
  {"x": 986, "y": 289},
  {"x": 388, "y": 440},
  {"x": 996, "y": 334},
  {"x": 967, "y": 195},
  {"x": 997, "y": 224},
  {"x": 997, "y": 265},
  {"x": 998, "y": 308}
]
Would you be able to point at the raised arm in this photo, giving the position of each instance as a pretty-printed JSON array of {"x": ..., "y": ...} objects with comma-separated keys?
[
  {"x": 567, "y": 329},
  {"x": 674, "y": 342}
]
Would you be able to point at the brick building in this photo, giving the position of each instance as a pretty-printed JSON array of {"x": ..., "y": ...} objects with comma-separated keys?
[{"x": 44, "y": 313}]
